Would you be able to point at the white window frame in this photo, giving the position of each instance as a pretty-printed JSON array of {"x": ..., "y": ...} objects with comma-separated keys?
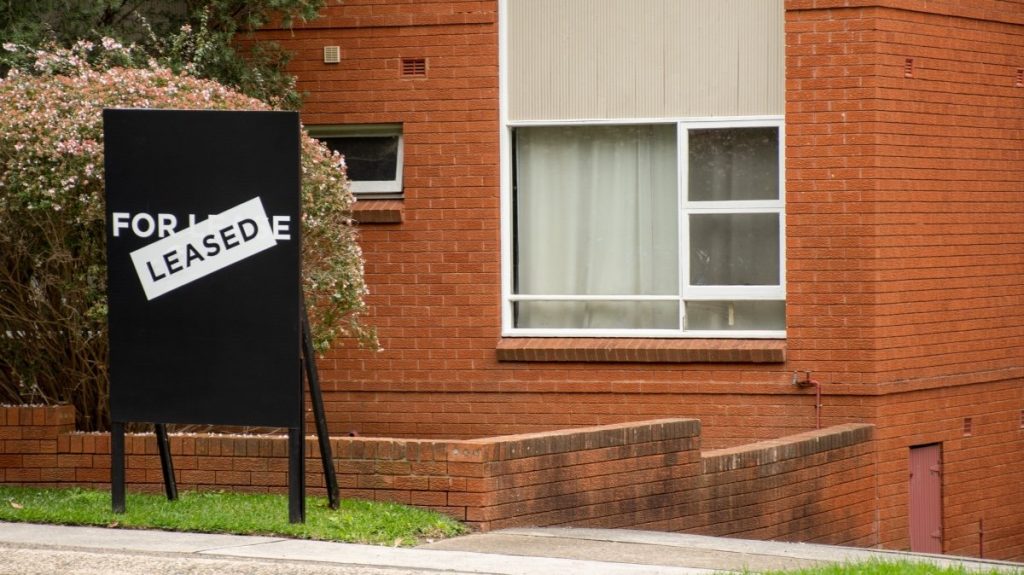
[
  {"x": 687, "y": 292},
  {"x": 369, "y": 189}
]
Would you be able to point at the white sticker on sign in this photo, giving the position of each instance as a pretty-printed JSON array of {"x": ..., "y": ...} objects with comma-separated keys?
[{"x": 203, "y": 248}]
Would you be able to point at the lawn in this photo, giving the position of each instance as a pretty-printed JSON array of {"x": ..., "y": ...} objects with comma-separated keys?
[
  {"x": 887, "y": 568},
  {"x": 355, "y": 521}
]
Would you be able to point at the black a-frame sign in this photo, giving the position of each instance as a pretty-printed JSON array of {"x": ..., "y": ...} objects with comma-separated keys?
[{"x": 203, "y": 254}]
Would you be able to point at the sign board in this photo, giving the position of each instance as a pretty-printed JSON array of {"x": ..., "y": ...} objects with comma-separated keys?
[{"x": 203, "y": 266}]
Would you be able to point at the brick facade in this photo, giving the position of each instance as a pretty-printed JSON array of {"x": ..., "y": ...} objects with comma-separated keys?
[
  {"x": 905, "y": 137},
  {"x": 904, "y": 230},
  {"x": 904, "y": 244},
  {"x": 904, "y": 121}
]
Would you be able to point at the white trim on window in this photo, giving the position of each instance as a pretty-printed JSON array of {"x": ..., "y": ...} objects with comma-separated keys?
[
  {"x": 369, "y": 189},
  {"x": 505, "y": 171},
  {"x": 686, "y": 207}
]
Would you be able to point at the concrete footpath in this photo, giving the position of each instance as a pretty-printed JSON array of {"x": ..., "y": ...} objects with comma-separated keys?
[{"x": 29, "y": 549}]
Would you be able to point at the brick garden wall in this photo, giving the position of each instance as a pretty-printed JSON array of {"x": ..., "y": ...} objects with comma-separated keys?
[{"x": 815, "y": 486}]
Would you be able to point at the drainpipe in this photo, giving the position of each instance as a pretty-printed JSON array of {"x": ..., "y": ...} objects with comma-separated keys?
[
  {"x": 808, "y": 382},
  {"x": 981, "y": 538}
]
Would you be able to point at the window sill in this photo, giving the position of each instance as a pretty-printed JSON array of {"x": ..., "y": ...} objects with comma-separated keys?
[
  {"x": 378, "y": 211},
  {"x": 636, "y": 350}
]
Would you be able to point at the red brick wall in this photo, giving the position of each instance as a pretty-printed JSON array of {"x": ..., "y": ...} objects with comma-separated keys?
[
  {"x": 822, "y": 488},
  {"x": 981, "y": 471},
  {"x": 28, "y": 443},
  {"x": 905, "y": 125},
  {"x": 904, "y": 144},
  {"x": 904, "y": 245},
  {"x": 435, "y": 278},
  {"x": 815, "y": 486}
]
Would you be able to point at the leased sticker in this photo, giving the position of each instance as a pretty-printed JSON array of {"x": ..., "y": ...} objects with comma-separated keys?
[{"x": 203, "y": 248}]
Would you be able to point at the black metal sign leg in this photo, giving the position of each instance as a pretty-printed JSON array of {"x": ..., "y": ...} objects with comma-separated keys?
[
  {"x": 322, "y": 435},
  {"x": 296, "y": 476},
  {"x": 170, "y": 485},
  {"x": 117, "y": 466}
]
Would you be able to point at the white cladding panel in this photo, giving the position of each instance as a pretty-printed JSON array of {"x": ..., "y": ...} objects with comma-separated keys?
[{"x": 608, "y": 59}]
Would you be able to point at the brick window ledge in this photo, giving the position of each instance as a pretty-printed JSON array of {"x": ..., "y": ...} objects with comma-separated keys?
[
  {"x": 635, "y": 350},
  {"x": 378, "y": 211}
]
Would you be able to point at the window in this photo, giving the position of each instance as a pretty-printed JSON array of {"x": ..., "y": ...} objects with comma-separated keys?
[
  {"x": 373, "y": 156},
  {"x": 657, "y": 230}
]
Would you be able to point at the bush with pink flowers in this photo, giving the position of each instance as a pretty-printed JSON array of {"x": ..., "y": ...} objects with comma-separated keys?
[{"x": 53, "y": 345}]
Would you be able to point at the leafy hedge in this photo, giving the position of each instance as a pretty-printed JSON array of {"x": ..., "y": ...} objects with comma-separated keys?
[{"x": 53, "y": 345}]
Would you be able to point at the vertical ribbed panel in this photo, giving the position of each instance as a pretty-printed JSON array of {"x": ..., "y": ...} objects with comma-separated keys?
[{"x": 594, "y": 59}]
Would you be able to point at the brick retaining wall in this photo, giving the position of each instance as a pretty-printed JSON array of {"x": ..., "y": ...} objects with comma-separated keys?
[{"x": 815, "y": 486}]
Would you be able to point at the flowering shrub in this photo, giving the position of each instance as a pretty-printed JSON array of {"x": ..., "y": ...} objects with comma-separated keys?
[{"x": 53, "y": 345}]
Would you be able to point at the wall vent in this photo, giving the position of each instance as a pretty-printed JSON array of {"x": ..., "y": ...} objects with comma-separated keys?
[
  {"x": 908, "y": 68},
  {"x": 1020, "y": 78},
  {"x": 968, "y": 427},
  {"x": 414, "y": 66},
  {"x": 332, "y": 54}
]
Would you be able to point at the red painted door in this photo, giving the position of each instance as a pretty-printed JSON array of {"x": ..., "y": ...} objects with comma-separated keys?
[{"x": 926, "y": 498}]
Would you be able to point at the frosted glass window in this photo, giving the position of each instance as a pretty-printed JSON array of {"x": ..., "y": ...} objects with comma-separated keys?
[
  {"x": 729, "y": 164},
  {"x": 734, "y": 249}
]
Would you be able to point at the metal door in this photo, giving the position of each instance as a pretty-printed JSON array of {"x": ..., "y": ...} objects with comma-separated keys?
[{"x": 926, "y": 498}]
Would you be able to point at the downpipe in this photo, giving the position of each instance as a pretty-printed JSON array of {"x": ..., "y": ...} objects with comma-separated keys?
[{"x": 806, "y": 382}]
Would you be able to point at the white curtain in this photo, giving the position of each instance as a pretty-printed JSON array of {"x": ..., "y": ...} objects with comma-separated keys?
[{"x": 596, "y": 213}]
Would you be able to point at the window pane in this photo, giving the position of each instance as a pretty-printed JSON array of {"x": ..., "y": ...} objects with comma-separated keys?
[
  {"x": 736, "y": 315},
  {"x": 597, "y": 314},
  {"x": 368, "y": 158},
  {"x": 734, "y": 249},
  {"x": 595, "y": 210},
  {"x": 734, "y": 164}
]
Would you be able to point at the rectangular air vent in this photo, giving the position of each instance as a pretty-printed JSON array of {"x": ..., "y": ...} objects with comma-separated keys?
[
  {"x": 414, "y": 66},
  {"x": 332, "y": 54}
]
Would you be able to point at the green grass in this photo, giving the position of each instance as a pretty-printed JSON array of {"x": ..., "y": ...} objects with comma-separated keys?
[
  {"x": 901, "y": 567},
  {"x": 355, "y": 521}
]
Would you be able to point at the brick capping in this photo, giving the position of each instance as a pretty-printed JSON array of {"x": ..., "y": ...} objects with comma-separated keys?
[
  {"x": 789, "y": 447},
  {"x": 378, "y": 211},
  {"x": 629, "y": 350}
]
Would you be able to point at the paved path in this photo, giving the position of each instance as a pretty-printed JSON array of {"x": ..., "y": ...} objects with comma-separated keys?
[{"x": 28, "y": 549}]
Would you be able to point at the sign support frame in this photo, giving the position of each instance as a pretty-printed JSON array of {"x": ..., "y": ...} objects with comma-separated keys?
[
  {"x": 296, "y": 447},
  {"x": 319, "y": 417},
  {"x": 117, "y": 490},
  {"x": 166, "y": 464}
]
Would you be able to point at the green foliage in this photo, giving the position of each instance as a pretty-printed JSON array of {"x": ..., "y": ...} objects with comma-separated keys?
[
  {"x": 53, "y": 344},
  {"x": 210, "y": 38},
  {"x": 355, "y": 521}
]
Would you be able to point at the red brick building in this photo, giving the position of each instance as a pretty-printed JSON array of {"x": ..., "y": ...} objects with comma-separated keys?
[{"x": 825, "y": 191}]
